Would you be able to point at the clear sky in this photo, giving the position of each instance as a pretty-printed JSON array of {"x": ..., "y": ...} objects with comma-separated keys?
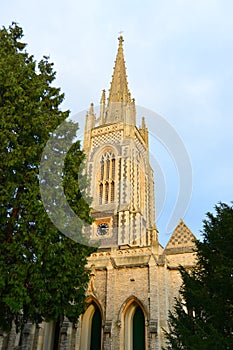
[{"x": 179, "y": 57}]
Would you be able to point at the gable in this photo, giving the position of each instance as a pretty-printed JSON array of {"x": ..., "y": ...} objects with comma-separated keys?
[{"x": 182, "y": 237}]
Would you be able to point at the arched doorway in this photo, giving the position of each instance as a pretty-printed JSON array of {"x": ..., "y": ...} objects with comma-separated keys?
[
  {"x": 138, "y": 329},
  {"x": 96, "y": 330},
  {"x": 134, "y": 327},
  {"x": 91, "y": 333}
]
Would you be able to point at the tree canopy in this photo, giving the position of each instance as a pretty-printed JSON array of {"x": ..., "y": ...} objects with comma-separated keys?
[
  {"x": 42, "y": 271},
  {"x": 203, "y": 315}
]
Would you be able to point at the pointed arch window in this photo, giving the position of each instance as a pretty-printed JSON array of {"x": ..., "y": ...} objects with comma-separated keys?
[
  {"x": 112, "y": 191},
  {"x": 113, "y": 168},
  {"x": 107, "y": 178},
  {"x": 106, "y": 192},
  {"x": 102, "y": 169},
  {"x": 107, "y": 167}
]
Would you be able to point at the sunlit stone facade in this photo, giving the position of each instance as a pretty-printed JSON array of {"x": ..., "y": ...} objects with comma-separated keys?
[{"x": 134, "y": 280}]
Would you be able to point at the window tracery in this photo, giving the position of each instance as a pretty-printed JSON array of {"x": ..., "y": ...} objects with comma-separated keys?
[{"x": 107, "y": 178}]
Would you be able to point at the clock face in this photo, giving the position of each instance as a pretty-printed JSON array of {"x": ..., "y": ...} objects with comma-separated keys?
[{"x": 103, "y": 229}]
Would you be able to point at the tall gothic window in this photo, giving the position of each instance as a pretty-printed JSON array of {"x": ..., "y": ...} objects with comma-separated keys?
[
  {"x": 113, "y": 167},
  {"x": 106, "y": 192},
  {"x": 102, "y": 169},
  {"x": 112, "y": 191},
  {"x": 107, "y": 178}
]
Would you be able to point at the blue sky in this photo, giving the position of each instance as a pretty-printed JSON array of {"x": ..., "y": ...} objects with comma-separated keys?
[{"x": 179, "y": 57}]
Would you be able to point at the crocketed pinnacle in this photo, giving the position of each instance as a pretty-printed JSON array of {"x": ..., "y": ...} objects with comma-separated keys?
[{"x": 119, "y": 91}]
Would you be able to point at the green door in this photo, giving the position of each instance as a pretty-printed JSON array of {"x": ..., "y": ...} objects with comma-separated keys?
[
  {"x": 96, "y": 330},
  {"x": 138, "y": 330}
]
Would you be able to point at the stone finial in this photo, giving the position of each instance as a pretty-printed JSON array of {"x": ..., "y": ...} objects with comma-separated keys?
[
  {"x": 143, "y": 123},
  {"x": 102, "y": 100},
  {"x": 120, "y": 39},
  {"x": 91, "y": 111}
]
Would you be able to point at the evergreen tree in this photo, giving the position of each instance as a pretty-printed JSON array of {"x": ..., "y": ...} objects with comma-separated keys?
[
  {"x": 42, "y": 271},
  {"x": 203, "y": 316}
]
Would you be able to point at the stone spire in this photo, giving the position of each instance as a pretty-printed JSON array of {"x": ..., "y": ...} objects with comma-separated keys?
[
  {"x": 119, "y": 91},
  {"x": 120, "y": 107}
]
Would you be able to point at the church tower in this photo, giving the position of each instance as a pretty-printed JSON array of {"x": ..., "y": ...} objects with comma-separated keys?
[
  {"x": 121, "y": 178},
  {"x": 133, "y": 279}
]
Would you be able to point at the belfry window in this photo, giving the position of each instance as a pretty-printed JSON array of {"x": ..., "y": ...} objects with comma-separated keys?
[
  {"x": 113, "y": 168},
  {"x": 106, "y": 191},
  {"x": 107, "y": 178},
  {"x": 112, "y": 191},
  {"x": 107, "y": 167},
  {"x": 102, "y": 170}
]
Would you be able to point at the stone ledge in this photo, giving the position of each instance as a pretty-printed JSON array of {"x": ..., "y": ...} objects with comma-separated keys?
[{"x": 179, "y": 250}]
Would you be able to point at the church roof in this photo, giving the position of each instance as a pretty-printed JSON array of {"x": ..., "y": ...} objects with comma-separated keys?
[
  {"x": 119, "y": 91},
  {"x": 181, "y": 237}
]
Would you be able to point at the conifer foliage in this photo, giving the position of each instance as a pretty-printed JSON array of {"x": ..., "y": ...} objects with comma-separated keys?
[
  {"x": 203, "y": 315},
  {"x": 42, "y": 272}
]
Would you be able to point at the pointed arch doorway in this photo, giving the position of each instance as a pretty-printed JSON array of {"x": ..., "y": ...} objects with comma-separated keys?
[
  {"x": 96, "y": 330},
  {"x": 138, "y": 329},
  {"x": 91, "y": 333},
  {"x": 134, "y": 328}
]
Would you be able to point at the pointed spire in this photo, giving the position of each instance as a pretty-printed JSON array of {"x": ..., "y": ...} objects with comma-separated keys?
[{"x": 119, "y": 91}]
